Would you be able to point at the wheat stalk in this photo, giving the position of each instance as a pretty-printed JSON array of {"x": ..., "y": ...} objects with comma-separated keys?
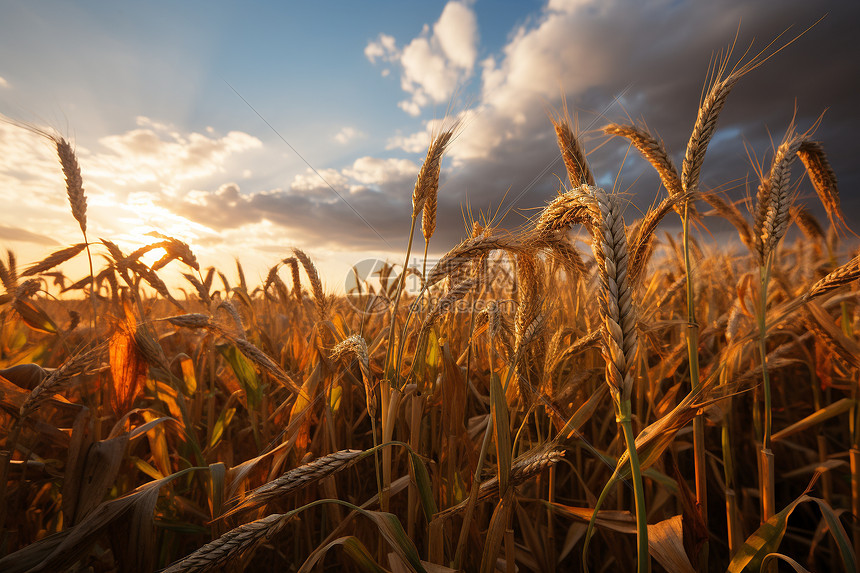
[
  {"x": 811, "y": 153},
  {"x": 772, "y": 198},
  {"x": 578, "y": 172},
  {"x": 843, "y": 275},
  {"x": 653, "y": 150},
  {"x": 230, "y": 547},
  {"x": 316, "y": 284},
  {"x": 733, "y": 215},
  {"x": 355, "y": 344},
  {"x": 296, "y": 479}
]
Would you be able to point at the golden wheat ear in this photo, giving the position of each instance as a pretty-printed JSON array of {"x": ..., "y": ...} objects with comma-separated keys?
[
  {"x": 320, "y": 300},
  {"x": 654, "y": 151},
  {"x": 74, "y": 182},
  {"x": 578, "y": 172},
  {"x": 773, "y": 197},
  {"x": 425, "y": 194},
  {"x": 730, "y": 212},
  {"x": 823, "y": 178}
]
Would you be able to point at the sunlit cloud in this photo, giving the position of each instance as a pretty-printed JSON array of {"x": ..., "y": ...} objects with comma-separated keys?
[
  {"x": 617, "y": 60},
  {"x": 159, "y": 153},
  {"x": 25, "y": 236},
  {"x": 436, "y": 62},
  {"x": 348, "y": 134},
  {"x": 4, "y": 83},
  {"x": 319, "y": 183},
  {"x": 383, "y": 49},
  {"x": 376, "y": 171},
  {"x": 343, "y": 207}
]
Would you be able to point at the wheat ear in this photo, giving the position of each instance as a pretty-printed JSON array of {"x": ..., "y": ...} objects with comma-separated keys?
[
  {"x": 60, "y": 378},
  {"x": 731, "y": 213},
  {"x": 316, "y": 284},
  {"x": 809, "y": 226},
  {"x": 616, "y": 302},
  {"x": 355, "y": 344},
  {"x": 457, "y": 258},
  {"x": 578, "y": 172},
  {"x": 296, "y": 479},
  {"x": 653, "y": 150},
  {"x": 230, "y": 547},
  {"x": 427, "y": 183},
  {"x": 811, "y": 153},
  {"x": 843, "y": 275},
  {"x": 74, "y": 182},
  {"x": 772, "y": 198}
]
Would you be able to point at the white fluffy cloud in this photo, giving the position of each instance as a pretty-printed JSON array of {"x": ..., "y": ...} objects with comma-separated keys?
[
  {"x": 347, "y": 134},
  {"x": 557, "y": 53},
  {"x": 317, "y": 183},
  {"x": 365, "y": 173},
  {"x": 436, "y": 62},
  {"x": 156, "y": 152},
  {"x": 457, "y": 35},
  {"x": 383, "y": 49},
  {"x": 376, "y": 171}
]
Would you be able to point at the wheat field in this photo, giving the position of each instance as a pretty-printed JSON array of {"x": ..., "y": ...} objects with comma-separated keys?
[{"x": 635, "y": 399}]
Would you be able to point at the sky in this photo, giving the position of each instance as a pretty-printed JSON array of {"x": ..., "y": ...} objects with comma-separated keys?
[{"x": 247, "y": 129}]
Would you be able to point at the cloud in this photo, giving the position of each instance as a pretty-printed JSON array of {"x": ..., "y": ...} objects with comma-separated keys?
[
  {"x": 347, "y": 134},
  {"x": 25, "y": 236},
  {"x": 4, "y": 83},
  {"x": 131, "y": 183},
  {"x": 434, "y": 64},
  {"x": 319, "y": 183},
  {"x": 648, "y": 60},
  {"x": 373, "y": 195},
  {"x": 156, "y": 152},
  {"x": 381, "y": 172},
  {"x": 383, "y": 49},
  {"x": 457, "y": 35}
]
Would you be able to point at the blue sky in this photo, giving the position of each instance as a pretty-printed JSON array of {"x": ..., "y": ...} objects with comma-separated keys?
[{"x": 355, "y": 87}]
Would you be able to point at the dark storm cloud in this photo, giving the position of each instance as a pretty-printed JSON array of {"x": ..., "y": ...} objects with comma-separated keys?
[
  {"x": 658, "y": 55},
  {"x": 653, "y": 57}
]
